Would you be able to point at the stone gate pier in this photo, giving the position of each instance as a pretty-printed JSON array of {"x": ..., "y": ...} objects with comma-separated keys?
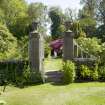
[
  {"x": 68, "y": 48},
  {"x": 36, "y": 54}
]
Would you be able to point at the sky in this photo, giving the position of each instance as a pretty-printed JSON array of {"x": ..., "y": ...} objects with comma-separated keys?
[{"x": 73, "y": 4}]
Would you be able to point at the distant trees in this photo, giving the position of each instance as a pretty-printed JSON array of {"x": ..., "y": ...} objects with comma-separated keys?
[
  {"x": 57, "y": 28},
  {"x": 38, "y": 12},
  {"x": 87, "y": 17},
  {"x": 92, "y": 18},
  {"x": 101, "y": 19}
]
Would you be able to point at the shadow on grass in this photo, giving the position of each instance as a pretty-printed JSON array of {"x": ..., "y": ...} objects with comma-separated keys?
[
  {"x": 26, "y": 85},
  {"x": 60, "y": 84}
]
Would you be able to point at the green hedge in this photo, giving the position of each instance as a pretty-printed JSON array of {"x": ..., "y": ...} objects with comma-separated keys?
[{"x": 10, "y": 70}]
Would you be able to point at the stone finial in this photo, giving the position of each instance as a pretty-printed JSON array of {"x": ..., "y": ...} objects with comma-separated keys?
[
  {"x": 68, "y": 25},
  {"x": 34, "y": 26}
]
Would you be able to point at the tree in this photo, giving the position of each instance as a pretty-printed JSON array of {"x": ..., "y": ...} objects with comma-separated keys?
[
  {"x": 87, "y": 17},
  {"x": 38, "y": 12},
  {"x": 15, "y": 12},
  {"x": 101, "y": 11},
  {"x": 89, "y": 7},
  {"x": 8, "y": 44},
  {"x": 77, "y": 29},
  {"x": 57, "y": 27},
  {"x": 88, "y": 25},
  {"x": 13, "y": 9},
  {"x": 70, "y": 15},
  {"x": 100, "y": 33},
  {"x": 2, "y": 20}
]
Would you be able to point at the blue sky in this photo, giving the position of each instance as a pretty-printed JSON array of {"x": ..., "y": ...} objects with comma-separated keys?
[{"x": 74, "y": 4}]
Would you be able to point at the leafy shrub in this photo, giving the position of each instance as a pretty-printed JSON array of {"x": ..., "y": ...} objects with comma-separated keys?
[
  {"x": 26, "y": 73},
  {"x": 94, "y": 74},
  {"x": 69, "y": 72},
  {"x": 25, "y": 77},
  {"x": 88, "y": 74},
  {"x": 91, "y": 45},
  {"x": 102, "y": 54},
  {"x": 47, "y": 50},
  {"x": 101, "y": 73},
  {"x": 35, "y": 77},
  {"x": 8, "y": 44},
  {"x": 85, "y": 72},
  {"x": 23, "y": 48},
  {"x": 18, "y": 73},
  {"x": 28, "y": 77}
]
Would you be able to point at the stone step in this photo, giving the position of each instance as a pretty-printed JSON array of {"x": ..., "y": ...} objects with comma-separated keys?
[{"x": 53, "y": 76}]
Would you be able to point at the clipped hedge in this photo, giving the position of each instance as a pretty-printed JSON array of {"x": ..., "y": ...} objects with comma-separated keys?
[{"x": 11, "y": 70}]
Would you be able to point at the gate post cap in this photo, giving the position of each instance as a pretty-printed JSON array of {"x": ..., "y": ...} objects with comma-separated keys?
[{"x": 68, "y": 25}]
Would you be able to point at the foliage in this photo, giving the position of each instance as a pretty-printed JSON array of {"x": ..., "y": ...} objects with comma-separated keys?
[
  {"x": 77, "y": 29},
  {"x": 18, "y": 73},
  {"x": 23, "y": 48},
  {"x": 8, "y": 44},
  {"x": 2, "y": 20},
  {"x": 87, "y": 16},
  {"x": 14, "y": 14},
  {"x": 24, "y": 77},
  {"x": 102, "y": 54},
  {"x": 87, "y": 73},
  {"x": 69, "y": 72},
  {"x": 90, "y": 45},
  {"x": 47, "y": 50},
  {"x": 88, "y": 26},
  {"x": 27, "y": 73},
  {"x": 20, "y": 28},
  {"x": 89, "y": 8},
  {"x": 35, "y": 77},
  {"x": 27, "y": 77},
  {"x": 56, "y": 16},
  {"x": 100, "y": 32},
  {"x": 70, "y": 15},
  {"x": 101, "y": 11},
  {"x": 94, "y": 74},
  {"x": 92, "y": 14},
  {"x": 48, "y": 39},
  {"x": 101, "y": 73},
  {"x": 38, "y": 12}
]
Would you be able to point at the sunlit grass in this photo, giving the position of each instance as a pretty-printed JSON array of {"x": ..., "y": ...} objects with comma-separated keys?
[
  {"x": 52, "y": 64},
  {"x": 47, "y": 94}
]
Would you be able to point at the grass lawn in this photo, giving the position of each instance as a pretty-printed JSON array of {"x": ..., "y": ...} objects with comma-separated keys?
[
  {"x": 46, "y": 94},
  {"x": 52, "y": 64}
]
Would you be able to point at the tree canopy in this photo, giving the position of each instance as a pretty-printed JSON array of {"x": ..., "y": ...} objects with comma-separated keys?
[{"x": 8, "y": 43}]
